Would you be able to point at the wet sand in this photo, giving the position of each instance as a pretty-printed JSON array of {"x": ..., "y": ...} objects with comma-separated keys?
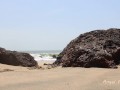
[{"x": 22, "y": 78}]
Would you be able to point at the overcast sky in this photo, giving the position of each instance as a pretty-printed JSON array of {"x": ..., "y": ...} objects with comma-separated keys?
[{"x": 52, "y": 24}]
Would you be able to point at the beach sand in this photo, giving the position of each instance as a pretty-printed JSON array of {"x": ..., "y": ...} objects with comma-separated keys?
[{"x": 22, "y": 78}]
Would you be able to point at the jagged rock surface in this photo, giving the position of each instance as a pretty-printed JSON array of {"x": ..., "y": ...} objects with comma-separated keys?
[
  {"x": 99, "y": 48},
  {"x": 16, "y": 58}
]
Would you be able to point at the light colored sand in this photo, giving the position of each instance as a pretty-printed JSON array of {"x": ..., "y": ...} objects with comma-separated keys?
[{"x": 59, "y": 78}]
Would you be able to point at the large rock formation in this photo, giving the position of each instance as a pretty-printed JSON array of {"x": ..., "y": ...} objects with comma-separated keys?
[
  {"x": 16, "y": 58},
  {"x": 99, "y": 48}
]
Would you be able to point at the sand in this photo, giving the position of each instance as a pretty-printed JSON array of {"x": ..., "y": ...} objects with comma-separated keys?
[{"x": 22, "y": 78}]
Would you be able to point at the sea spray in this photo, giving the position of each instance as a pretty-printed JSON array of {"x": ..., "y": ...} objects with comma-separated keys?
[{"x": 48, "y": 55}]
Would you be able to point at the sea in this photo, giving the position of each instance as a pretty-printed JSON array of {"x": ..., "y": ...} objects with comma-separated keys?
[{"x": 44, "y": 55}]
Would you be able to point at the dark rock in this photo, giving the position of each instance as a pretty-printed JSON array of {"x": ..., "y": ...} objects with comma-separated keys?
[
  {"x": 99, "y": 48},
  {"x": 16, "y": 58},
  {"x": 54, "y": 56}
]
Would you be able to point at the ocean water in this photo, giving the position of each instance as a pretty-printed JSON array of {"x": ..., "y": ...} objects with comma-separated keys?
[{"x": 44, "y": 55}]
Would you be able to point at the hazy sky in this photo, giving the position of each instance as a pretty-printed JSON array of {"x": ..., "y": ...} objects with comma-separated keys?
[{"x": 52, "y": 24}]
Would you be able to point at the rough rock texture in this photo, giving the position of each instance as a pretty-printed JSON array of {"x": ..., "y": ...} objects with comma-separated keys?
[
  {"x": 99, "y": 48},
  {"x": 16, "y": 58}
]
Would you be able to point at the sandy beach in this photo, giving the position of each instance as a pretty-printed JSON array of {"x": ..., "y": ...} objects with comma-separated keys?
[{"x": 22, "y": 78}]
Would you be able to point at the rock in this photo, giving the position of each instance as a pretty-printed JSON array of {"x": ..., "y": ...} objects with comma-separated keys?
[
  {"x": 16, "y": 58},
  {"x": 54, "y": 56},
  {"x": 99, "y": 48}
]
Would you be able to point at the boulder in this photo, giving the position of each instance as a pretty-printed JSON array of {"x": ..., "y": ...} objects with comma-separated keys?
[
  {"x": 98, "y": 48},
  {"x": 16, "y": 58}
]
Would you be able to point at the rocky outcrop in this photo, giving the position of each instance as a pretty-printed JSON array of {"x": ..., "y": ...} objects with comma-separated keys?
[
  {"x": 99, "y": 48},
  {"x": 16, "y": 58}
]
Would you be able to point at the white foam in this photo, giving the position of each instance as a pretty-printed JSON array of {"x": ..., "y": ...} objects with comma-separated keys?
[{"x": 38, "y": 57}]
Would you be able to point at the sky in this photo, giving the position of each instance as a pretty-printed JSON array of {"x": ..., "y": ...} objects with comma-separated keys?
[{"x": 52, "y": 24}]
